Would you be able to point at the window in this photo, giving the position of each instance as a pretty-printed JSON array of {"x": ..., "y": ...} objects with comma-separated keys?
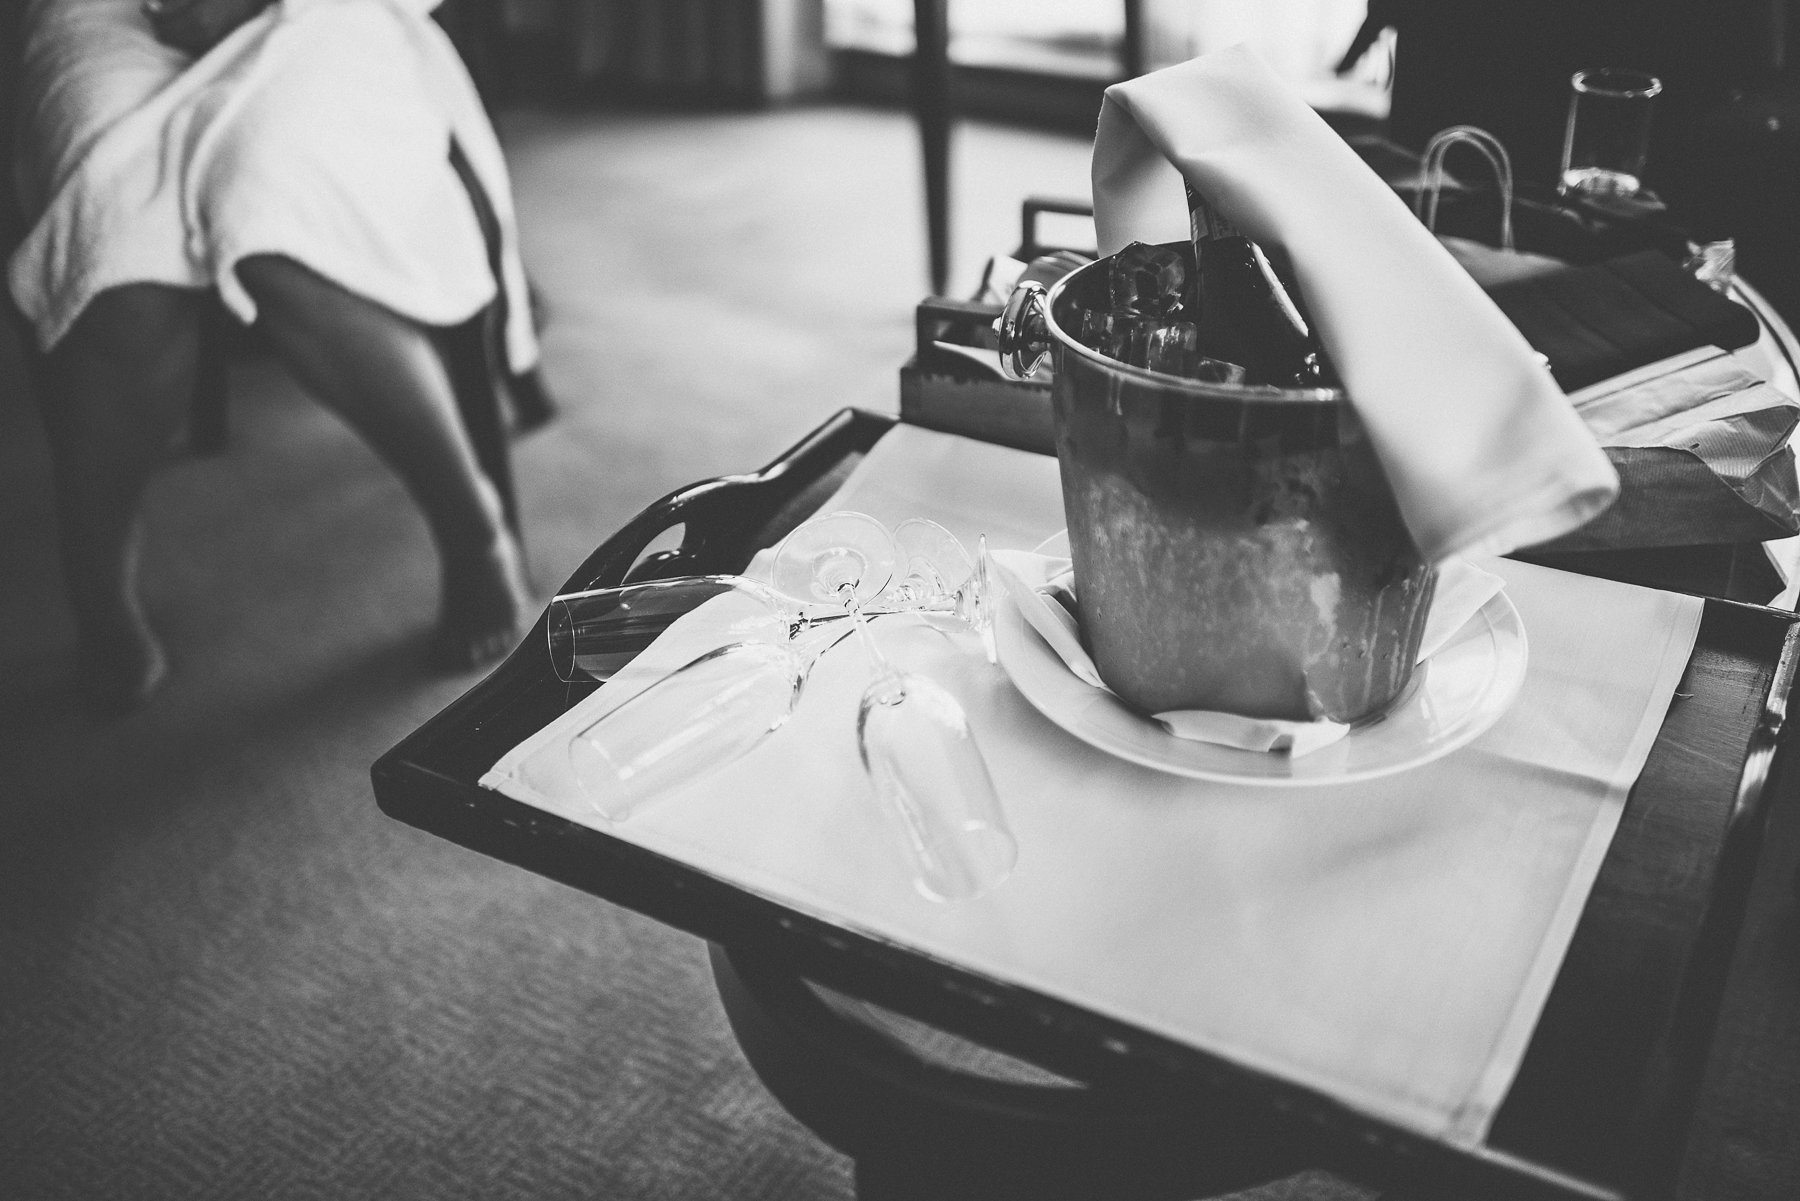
[{"x": 1085, "y": 39}]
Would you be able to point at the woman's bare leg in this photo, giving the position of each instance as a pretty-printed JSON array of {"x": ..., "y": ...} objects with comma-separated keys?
[
  {"x": 117, "y": 385},
  {"x": 381, "y": 373}
]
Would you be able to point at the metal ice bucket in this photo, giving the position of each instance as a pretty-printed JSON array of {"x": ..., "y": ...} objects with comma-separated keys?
[{"x": 1235, "y": 548}]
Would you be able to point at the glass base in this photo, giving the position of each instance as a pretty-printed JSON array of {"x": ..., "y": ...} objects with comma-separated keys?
[{"x": 1599, "y": 181}]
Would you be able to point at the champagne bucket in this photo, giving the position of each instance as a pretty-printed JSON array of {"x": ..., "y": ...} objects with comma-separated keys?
[{"x": 1236, "y": 548}]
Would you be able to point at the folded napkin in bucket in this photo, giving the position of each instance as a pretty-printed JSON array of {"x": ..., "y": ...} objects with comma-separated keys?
[
  {"x": 1483, "y": 452},
  {"x": 1041, "y": 585}
]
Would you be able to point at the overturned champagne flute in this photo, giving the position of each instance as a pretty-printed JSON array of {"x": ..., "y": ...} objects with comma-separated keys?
[
  {"x": 707, "y": 713},
  {"x": 935, "y": 793},
  {"x": 717, "y": 707}
]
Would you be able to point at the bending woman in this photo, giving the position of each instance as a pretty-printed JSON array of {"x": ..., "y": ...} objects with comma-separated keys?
[{"x": 301, "y": 169}]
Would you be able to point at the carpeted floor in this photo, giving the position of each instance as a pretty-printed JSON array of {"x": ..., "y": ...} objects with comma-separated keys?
[{"x": 223, "y": 973}]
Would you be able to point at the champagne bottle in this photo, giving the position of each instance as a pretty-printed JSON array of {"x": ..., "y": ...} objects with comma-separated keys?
[{"x": 1245, "y": 314}]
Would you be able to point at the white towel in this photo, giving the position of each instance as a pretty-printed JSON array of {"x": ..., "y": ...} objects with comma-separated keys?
[
  {"x": 319, "y": 129},
  {"x": 1484, "y": 453}
]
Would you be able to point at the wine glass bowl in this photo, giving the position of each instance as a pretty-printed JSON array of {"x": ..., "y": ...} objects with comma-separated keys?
[
  {"x": 707, "y": 713},
  {"x": 594, "y": 633},
  {"x": 933, "y": 787}
]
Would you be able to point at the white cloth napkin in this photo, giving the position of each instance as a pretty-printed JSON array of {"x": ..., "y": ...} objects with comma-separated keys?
[
  {"x": 1484, "y": 453},
  {"x": 1035, "y": 582}
]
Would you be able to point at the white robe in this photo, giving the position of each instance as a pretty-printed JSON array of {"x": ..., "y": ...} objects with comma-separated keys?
[{"x": 320, "y": 130}]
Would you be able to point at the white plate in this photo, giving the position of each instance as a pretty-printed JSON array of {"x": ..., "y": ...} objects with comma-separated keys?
[{"x": 1451, "y": 699}]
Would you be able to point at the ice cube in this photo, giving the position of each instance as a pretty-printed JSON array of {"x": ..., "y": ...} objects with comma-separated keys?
[
  {"x": 1148, "y": 280},
  {"x": 1174, "y": 349}
]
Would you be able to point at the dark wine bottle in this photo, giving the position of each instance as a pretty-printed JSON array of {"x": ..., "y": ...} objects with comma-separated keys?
[{"x": 1245, "y": 315}]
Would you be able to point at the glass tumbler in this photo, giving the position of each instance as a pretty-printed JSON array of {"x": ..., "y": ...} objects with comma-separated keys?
[{"x": 1608, "y": 134}]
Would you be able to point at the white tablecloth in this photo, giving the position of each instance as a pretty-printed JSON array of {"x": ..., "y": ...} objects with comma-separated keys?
[{"x": 1389, "y": 943}]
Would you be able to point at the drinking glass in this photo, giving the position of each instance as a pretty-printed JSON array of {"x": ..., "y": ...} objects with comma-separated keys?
[
  {"x": 1608, "y": 132},
  {"x": 594, "y": 633},
  {"x": 936, "y": 795},
  {"x": 717, "y": 707},
  {"x": 912, "y": 735}
]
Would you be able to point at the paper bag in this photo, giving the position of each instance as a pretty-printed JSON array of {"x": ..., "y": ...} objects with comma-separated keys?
[{"x": 1700, "y": 442}]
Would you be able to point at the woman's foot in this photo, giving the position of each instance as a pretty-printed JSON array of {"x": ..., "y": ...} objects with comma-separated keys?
[
  {"x": 116, "y": 389},
  {"x": 487, "y": 606}
]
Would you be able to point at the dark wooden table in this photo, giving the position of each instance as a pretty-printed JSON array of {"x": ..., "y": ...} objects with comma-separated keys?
[{"x": 1613, "y": 1097}]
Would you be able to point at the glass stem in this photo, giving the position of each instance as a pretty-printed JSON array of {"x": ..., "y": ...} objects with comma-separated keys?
[{"x": 892, "y": 689}]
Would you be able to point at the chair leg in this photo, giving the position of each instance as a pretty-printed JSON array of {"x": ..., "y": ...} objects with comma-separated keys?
[
  {"x": 531, "y": 405},
  {"x": 931, "y": 108},
  {"x": 209, "y": 421}
]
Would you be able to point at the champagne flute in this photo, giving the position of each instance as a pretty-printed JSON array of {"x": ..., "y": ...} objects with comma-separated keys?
[
  {"x": 936, "y": 795},
  {"x": 707, "y": 713},
  {"x": 593, "y": 634},
  {"x": 719, "y": 706}
]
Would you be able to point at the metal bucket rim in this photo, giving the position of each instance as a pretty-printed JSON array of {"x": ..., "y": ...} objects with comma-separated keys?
[{"x": 1265, "y": 393}]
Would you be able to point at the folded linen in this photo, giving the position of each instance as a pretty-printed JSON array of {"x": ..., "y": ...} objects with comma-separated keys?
[
  {"x": 1483, "y": 452},
  {"x": 1041, "y": 585}
]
